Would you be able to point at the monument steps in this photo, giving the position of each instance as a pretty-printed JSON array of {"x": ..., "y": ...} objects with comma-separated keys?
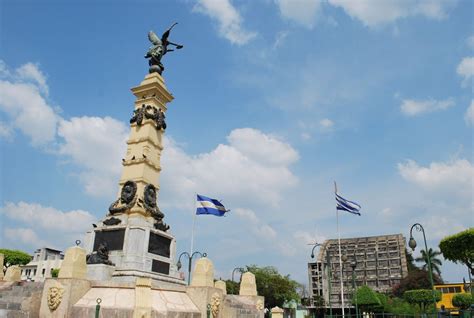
[{"x": 22, "y": 293}]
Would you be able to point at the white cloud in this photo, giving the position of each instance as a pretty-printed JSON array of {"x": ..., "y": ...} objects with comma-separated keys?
[
  {"x": 454, "y": 177},
  {"x": 469, "y": 115},
  {"x": 258, "y": 227},
  {"x": 5, "y": 131},
  {"x": 254, "y": 166},
  {"x": 30, "y": 71},
  {"x": 373, "y": 13},
  {"x": 466, "y": 69},
  {"x": 303, "y": 12},
  {"x": 412, "y": 107},
  {"x": 26, "y": 236},
  {"x": 48, "y": 218},
  {"x": 326, "y": 123},
  {"x": 95, "y": 145},
  {"x": 228, "y": 19},
  {"x": 28, "y": 111}
]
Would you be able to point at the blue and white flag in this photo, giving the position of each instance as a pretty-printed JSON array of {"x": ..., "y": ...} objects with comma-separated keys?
[
  {"x": 205, "y": 205},
  {"x": 346, "y": 205}
]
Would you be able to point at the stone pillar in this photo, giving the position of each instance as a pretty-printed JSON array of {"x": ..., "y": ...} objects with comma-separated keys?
[
  {"x": 277, "y": 312},
  {"x": 143, "y": 299},
  {"x": 203, "y": 275},
  {"x": 2, "y": 257},
  {"x": 74, "y": 264},
  {"x": 13, "y": 274},
  {"x": 248, "y": 286},
  {"x": 221, "y": 285}
]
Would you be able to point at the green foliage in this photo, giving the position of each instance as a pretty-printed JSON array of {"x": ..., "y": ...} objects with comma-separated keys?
[
  {"x": 459, "y": 248},
  {"x": 434, "y": 260},
  {"x": 14, "y": 257},
  {"x": 416, "y": 279},
  {"x": 232, "y": 287},
  {"x": 397, "y": 306},
  {"x": 410, "y": 261},
  {"x": 273, "y": 286},
  {"x": 422, "y": 297},
  {"x": 54, "y": 272},
  {"x": 367, "y": 299},
  {"x": 463, "y": 300}
]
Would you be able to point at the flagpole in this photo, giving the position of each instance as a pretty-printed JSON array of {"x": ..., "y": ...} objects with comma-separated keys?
[
  {"x": 192, "y": 231},
  {"x": 340, "y": 258}
]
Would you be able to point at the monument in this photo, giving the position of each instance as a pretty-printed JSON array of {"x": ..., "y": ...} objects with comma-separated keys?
[
  {"x": 127, "y": 267},
  {"x": 133, "y": 236}
]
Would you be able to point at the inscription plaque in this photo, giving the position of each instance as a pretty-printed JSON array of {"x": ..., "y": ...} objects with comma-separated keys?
[
  {"x": 113, "y": 239},
  {"x": 159, "y": 245},
  {"x": 160, "y": 267}
]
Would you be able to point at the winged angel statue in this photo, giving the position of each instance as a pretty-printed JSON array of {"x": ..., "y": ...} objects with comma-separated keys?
[{"x": 159, "y": 49}]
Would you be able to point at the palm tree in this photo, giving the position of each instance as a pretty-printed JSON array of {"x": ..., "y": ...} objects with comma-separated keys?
[{"x": 435, "y": 262}]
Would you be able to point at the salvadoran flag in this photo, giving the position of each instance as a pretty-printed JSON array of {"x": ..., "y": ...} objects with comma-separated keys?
[
  {"x": 346, "y": 205},
  {"x": 205, "y": 205}
]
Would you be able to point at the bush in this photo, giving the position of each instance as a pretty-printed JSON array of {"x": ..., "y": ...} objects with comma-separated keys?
[
  {"x": 422, "y": 297},
  {"x": 367, "y": 299},
  {"x": 54, "y": 272},
  {"x": 463, "y": 301}
]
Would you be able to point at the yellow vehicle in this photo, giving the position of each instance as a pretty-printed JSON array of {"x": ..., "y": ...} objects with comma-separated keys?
[{"x": 447, "y": 293}]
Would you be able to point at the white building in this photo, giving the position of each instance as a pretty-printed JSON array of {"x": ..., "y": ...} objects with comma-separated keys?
[{"x": 44, "y": 260}]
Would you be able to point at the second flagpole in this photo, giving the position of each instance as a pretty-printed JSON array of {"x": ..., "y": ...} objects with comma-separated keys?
[
  {"x": 194, "y": 224},
  {"x": 340, "y": 255}
]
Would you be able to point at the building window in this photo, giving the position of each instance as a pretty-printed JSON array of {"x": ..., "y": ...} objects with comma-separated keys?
[{"x": 44, "y": 270}]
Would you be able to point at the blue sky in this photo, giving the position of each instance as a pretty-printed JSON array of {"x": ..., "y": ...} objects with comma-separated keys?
[{"x": 274, "y": 100}]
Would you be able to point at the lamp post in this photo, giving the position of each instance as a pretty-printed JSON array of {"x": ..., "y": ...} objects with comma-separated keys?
[
  {"x": 190, "y": 260},
  {"x": 412, "y": 244},
  {"x": 241, "y": 269},
  {"x": 328, "y": 264},
  {"x": 312, "y": 256},
  {"x": 354, "y": 265}
]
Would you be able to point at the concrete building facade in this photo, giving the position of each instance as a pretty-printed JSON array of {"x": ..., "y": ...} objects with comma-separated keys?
[
  {"x": 43, "y": 261},
  {"x": 380, "y": 263}
]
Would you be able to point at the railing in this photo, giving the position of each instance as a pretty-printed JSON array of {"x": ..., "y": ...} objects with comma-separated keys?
[{"x": 445, "y": 314}]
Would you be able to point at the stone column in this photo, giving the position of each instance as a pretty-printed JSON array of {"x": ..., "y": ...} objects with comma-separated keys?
[
  {"x": 13, "y": 274},
  {"x": 143, "y": 299},
  {"x": 221, "y": 285},
  {"x": 248, "y": 286},
  {"x": 277, "y": 312},
  {"x": 74, "y": 264},
  {"x": 203, "y": 275}
]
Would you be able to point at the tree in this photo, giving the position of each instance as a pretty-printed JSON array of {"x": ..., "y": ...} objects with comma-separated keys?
[
  {"x": 273, "y": 286},
  {"x": 410, "y": 261},
  {"x": 459, "y": 248},
  {"x": 54, "y": 272},
  {"x": 367, "y": 299},
  {"x": 232, "y": 287},
  {"x": 416, "y": 279},
  {"x": 435, "y": 262},
  {"x": 422, "y": 297},
  {"x": 14, "y": 257},
  {"x": 463, "y": 301}
]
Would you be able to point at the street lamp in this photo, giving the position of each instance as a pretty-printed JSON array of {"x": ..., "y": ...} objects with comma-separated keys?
[
  {"x": 328, "y": 265},
  {"x": 241, "y": 269},
  {"x": 353, "y": 266},
  {"x": 412, "y": 244},
  {"x": 190, "y": 260}
]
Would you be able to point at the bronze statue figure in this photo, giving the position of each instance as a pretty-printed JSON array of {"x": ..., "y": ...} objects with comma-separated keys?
[{"x": 159, "y": 49}]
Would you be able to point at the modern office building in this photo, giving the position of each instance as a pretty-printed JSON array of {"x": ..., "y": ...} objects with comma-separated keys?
[
  {"x": 44, "y": 260},
  {"x": 379, "y": 262}
]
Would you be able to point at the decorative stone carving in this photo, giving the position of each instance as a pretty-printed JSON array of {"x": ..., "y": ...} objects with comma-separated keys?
[
  {"x": 127, "y": 198},
  {"x": 55, "y": 296},
  {"x": 149, "y": 112},
  {"x": 260, "y": 306},
  {"x": 149, "y": 202},
  {"x": 101, "y": 256},
  {"x": 158, "y": 49},
  {"x": 215, "y": 304},
  {"x": 112, "y": 221}
]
